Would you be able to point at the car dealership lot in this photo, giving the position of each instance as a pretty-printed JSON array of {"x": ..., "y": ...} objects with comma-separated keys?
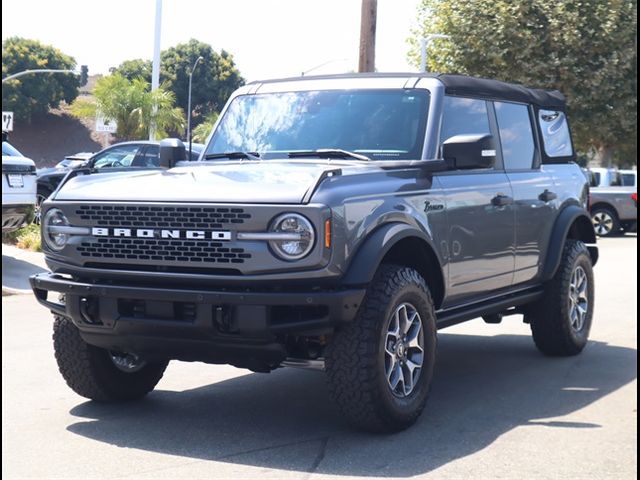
[{"x": 498, "y": 409}]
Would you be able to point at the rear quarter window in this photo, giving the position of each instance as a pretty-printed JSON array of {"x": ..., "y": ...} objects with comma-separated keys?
[{"x": 555, "y": 133}]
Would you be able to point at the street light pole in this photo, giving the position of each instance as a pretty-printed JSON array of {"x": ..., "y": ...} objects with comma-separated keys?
[
  {"x": 155, "y": 70},
  {"x": 424, "y": 43},
  {"x": 198, "y": 60},
  {"x": 37, "y": 70}
]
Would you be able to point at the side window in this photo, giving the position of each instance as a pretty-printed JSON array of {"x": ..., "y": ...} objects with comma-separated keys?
[
  {"x": 516, "y": 135},
  {"x": 629, "y": 179},
  {"x": 115, "y": 157},
  {"x": 150, "y": 157},
  {"x": 463, "y": 116},
  {"x": 555, "y": 133},
  {"x": 616, "y": 179}
]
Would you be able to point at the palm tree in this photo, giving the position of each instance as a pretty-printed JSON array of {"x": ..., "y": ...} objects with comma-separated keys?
[
  {"x": 202, "y": 131},
  {"x": 131, "y": 104}
]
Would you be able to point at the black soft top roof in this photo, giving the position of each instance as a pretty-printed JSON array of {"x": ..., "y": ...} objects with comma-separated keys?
[
  {"x": 465, "y": 85},
  {"x": 484, "y": 87}
]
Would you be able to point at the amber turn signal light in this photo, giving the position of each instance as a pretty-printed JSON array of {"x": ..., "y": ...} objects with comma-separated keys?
[{"x": 327, "y": 233}]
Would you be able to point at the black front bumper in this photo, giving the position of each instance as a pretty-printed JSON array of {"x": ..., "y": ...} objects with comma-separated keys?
[{"x": 216, "y": 326}]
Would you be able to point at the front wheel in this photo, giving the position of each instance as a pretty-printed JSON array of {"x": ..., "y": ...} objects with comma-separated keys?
[
  {"x": 99, "y": 374},
  {"x": 380, "y": 367},
  {"x": 561, "y": 320},
  {"x": 41, "y": 196}
]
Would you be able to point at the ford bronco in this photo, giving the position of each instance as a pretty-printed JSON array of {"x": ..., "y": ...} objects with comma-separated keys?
[{"x": 333, "y": 222}]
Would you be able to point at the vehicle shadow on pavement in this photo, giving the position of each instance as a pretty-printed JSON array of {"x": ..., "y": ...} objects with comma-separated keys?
[{"x": 484, "y": 387}]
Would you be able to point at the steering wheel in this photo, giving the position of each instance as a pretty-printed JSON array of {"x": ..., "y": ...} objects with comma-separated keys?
[{"x": 117, "y": 163}]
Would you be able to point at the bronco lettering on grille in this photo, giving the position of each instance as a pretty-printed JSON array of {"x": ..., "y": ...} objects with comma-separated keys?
[{"x": 160, "y": 233}]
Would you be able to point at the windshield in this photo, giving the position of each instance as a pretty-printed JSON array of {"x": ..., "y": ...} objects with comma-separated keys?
[
  {"x": 381, "y": 124},
  {"x": 9, "y": 150}
]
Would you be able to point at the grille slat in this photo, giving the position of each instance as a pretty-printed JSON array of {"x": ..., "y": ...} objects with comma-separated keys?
[{"x": 133, "y": 216}]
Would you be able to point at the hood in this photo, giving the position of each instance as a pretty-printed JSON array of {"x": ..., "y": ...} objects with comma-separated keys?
[
  {"x": 21, "y": 161},
  {"x": 52, "y": 170},
  {"x": 238, "y": 182}
]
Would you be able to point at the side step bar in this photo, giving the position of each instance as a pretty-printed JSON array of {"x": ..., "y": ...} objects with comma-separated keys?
[{"x": 453, "y": 316}]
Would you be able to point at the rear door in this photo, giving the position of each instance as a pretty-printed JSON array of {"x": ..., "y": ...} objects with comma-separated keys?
[
  {"x": 480, "y": 210},
  {"x": 533, "y": 188}
]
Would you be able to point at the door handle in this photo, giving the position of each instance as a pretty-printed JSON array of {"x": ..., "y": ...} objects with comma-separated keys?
[
  {"x": 501, "y": 200},
  {"x": 547, "y": 196}
]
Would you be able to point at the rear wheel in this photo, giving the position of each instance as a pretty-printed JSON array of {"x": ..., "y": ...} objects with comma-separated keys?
[
  {"x": 561, "y": 320},
  {"x": 380, "y": 367},
  {"x": 605, "y": 221},
  {"x": 99, "y": 374}
]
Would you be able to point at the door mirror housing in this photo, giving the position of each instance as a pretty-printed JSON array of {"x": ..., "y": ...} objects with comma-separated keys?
[
  {"x": 172, "y": 151},
  {"x": 462, "y": 152}
]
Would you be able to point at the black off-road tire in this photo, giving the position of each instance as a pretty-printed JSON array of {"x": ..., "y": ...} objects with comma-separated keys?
[
  {"x": 550, "y": 321},
  {"x": 355, "y": 362},
  {"x": 91, "y": 373}
]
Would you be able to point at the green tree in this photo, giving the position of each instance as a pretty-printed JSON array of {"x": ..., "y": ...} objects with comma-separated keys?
[
  {"x": 130, "y": 103},
  {"x": 202, "y": 131},
  {"x": 137, "y": 68},
  {"x": 586, "y": 49},
  {"x": 213, "y": 80},
  {"x": 35, "y": 94}
]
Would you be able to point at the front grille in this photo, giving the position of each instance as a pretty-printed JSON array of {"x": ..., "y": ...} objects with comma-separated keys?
[
  {"x": 162, "y": 216},
  {"x": 172, "y": 250},
  {"x": 24, "y": 169}
]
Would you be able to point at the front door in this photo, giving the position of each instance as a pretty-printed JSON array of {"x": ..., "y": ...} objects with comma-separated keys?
[{"x": 480, "y": 211}]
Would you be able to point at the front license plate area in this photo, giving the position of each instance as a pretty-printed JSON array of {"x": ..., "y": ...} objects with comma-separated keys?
[{"x": 15, "y": 180}]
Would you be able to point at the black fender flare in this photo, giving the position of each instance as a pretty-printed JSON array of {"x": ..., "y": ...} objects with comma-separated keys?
[
  {"x": 566, "y": 219},
  {"x": 374, "y": 248}
]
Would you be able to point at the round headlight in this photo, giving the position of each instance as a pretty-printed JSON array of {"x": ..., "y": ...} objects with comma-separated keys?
[
  {"x": 301, "y": 236},
  {"x": 54, "y": 240}
]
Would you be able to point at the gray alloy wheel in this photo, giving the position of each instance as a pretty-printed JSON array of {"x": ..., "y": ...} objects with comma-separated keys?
[
  {"x": 603, "y": 222},
  {"x": 404, "y": 350},
  {"x": 578, "y": 299}
]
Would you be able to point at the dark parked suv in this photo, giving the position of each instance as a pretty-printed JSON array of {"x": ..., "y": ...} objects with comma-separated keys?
[
  {"x": 121, "y": 155},
  {"x": 344, "y": 221}
]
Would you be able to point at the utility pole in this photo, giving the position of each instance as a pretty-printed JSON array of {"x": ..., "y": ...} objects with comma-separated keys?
[
  {"x": 155, "y": 73},
  {"x": 367, "y": 56}
]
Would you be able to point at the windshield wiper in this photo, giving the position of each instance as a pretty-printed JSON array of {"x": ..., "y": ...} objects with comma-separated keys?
[
  {"x": 329, "y": 153},
  {"x": 232, "y": 155}
]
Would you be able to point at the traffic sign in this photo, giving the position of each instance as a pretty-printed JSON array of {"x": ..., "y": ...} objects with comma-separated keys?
[
  {"x": 7, "y": 121},
  {"x": 106, "y": 125}
]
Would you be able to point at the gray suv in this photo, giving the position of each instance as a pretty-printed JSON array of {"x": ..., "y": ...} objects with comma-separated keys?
[{"x": 335, "y": 223}]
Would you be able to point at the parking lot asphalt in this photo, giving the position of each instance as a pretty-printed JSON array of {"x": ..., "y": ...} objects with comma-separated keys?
[{"x": 498, "y": 409}]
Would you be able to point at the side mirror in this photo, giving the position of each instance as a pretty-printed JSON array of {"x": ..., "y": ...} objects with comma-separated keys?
[
  {"x": 172, "y": 151},
  {"x": 469, "y": 151}
]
